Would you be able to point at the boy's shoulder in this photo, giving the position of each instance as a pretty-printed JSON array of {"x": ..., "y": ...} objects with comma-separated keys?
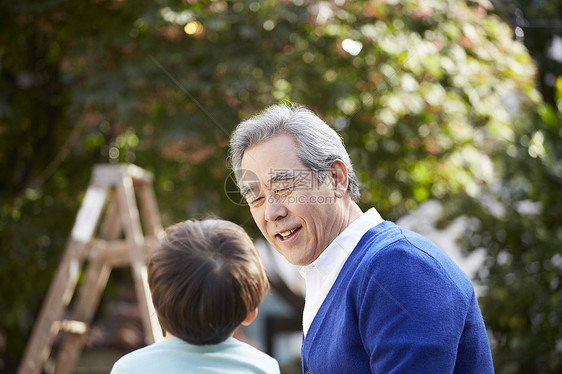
[
  {"x": 237, "y": 354},
  {"x": 145, "y": 359},
  {"x": 174, "y": 355}
]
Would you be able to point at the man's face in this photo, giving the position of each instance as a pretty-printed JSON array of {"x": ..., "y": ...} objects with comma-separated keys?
[{"x": 295, "y": 213}]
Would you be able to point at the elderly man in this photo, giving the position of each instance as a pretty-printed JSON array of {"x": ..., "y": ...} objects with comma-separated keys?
[{"x": 379, "y": 298}]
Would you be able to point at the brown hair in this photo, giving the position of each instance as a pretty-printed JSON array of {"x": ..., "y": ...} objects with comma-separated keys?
[{"x": 205, "y": 278}]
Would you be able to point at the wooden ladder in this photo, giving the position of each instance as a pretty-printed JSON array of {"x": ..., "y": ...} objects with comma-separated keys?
[{"x": 111, "y": 195}]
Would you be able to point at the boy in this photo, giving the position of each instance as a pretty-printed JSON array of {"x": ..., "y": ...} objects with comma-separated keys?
[{"x": 206, "y": 278}]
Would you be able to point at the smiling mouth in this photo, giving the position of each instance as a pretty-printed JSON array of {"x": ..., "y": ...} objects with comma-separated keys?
[{"x": 285, "y": 235}]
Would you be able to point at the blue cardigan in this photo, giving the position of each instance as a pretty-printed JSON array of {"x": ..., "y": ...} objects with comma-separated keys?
[{"x": 399, "y": 305}]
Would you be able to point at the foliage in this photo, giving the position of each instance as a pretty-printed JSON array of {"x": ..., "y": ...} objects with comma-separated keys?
[
  {"x": 425, "y": 97},
  {"x": 518, "y": 223},
  {"x": 537, "y": 24},
  {"x": 425, "y": 94},
  {"x": 538, "y": 9}
]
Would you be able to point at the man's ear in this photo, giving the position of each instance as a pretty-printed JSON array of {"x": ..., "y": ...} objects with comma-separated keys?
[
  {"x": 339, "y": 177},
  {"x": 250, "y": 318}
]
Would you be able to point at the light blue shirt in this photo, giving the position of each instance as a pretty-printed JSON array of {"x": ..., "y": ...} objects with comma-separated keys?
[{"x": 173, "y": 355}]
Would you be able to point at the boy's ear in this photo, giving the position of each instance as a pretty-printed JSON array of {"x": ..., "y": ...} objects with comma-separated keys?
[{"x": 251, "y": 317}]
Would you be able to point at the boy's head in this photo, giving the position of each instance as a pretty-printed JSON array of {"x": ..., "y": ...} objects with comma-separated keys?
[{"x": 205, "y": 278}]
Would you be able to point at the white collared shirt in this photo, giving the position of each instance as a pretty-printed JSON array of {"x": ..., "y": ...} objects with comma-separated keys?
[{"x": 321, "y": 274}]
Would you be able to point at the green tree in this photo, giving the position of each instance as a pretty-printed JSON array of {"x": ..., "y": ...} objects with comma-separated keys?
[
  {"x": 518, "y": 223},
  {"x": 537, "y": 24}
]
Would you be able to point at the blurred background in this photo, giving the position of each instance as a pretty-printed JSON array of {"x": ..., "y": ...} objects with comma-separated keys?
[{"x": 451, "y": 112}]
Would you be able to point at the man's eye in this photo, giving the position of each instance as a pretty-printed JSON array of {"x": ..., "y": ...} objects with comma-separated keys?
[
  {"x": 284, "y": 190},
  {"x": 256, "y": 201}
]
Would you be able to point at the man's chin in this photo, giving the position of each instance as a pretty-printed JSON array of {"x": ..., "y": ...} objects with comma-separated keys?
[{"x": 292, "y": 258}]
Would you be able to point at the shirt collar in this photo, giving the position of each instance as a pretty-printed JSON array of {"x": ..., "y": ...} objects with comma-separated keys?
[{"x": 342, "y": 246}]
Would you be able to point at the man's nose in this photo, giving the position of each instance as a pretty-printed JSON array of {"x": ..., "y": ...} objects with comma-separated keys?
[{"x": 275, "y": 208}]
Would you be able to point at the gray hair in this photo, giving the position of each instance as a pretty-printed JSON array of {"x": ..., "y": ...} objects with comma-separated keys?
[{"x": 318, "y": 144}]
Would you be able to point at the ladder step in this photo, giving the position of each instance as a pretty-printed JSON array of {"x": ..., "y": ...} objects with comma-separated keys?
[{"x": 74, "y": 327}]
